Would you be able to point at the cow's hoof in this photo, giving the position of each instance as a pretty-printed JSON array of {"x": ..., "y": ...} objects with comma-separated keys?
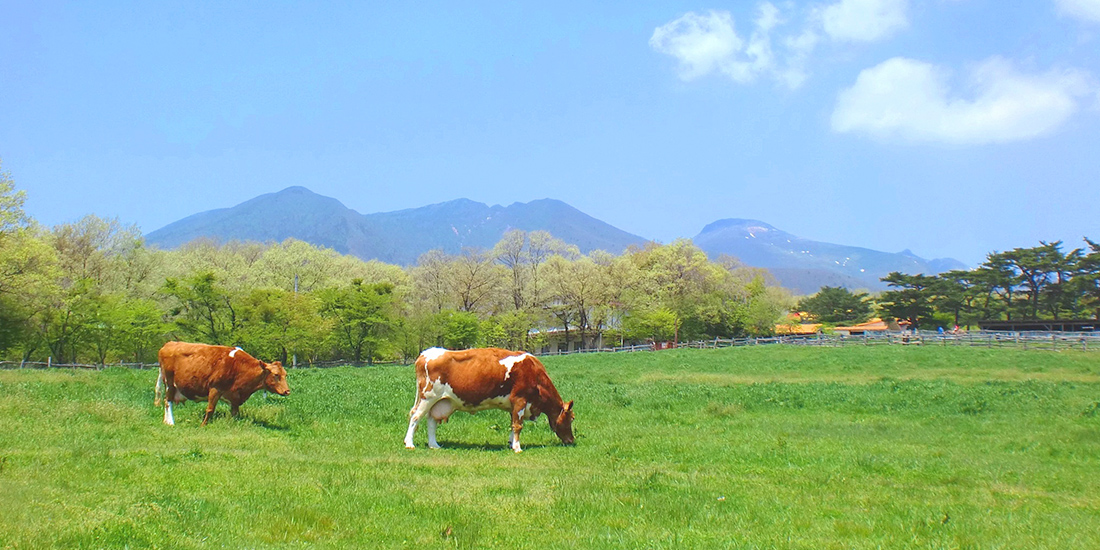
[
  {"x": 434, "y": 447},
  {"x": 407, "y": 446}
]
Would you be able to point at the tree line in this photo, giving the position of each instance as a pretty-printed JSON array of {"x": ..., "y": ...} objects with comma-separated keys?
[
  {"x": 91, "y": 291},
  {"x": 1042, "y": 282}
]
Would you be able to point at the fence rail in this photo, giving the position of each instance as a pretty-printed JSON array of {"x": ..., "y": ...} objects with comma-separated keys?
[
  {"x": 1050, "y": 341},
  {"x": 54, "y": 365},
  {"x": 1053, "y": 341}
]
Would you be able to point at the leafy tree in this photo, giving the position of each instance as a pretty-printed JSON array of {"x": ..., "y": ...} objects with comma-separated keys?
[
  {"x": 204, "y": 310},
  {"x": 363, "y": 317},
  {"x": 766, "y": 307},
  {"x": 12, "y": 216},
  {"x": 475, "y": 279},
  {"x": 657, "y": 324},
  {"x": 956, "y": 292},
  {"x": 837, "y": 305},
  {"x": 912, "y": 301},
  {"x": 1088, "y": 279},
  {"x": 282, "y": 324},
  {"x": 511, "y": 252},
  {"x": 575, "y": 289},
  {"x": 461, "y": 330}
]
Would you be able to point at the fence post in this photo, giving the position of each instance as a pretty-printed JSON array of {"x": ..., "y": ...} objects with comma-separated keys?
[{"x": 49, "y": 361}]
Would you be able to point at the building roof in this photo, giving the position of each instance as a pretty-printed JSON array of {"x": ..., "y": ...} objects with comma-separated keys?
[
  {"x": 874, "y": 325},
  {"x": 804, "y": 328}
]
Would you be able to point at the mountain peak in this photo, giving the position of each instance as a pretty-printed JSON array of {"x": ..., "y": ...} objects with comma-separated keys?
[
  {"x": 737, "y": 223},
  {"x": 804, "y": 265},
  {"x": 295, "y": 190},
  {"x": 394, "y": 237}
]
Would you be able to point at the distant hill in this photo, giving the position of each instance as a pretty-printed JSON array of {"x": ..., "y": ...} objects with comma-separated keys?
[
  {"x": 804, "y": 265},
  {"x": 394, "y": 237},
  {"x": 401, "y": 237}
]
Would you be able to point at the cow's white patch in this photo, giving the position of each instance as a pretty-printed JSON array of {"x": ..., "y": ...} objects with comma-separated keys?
[
  {"x": 431, "y": 354},
  {"x": 510, "y": 362},
  {"x": 234, "y": 352},
  {"x": 168, "y": 414}
]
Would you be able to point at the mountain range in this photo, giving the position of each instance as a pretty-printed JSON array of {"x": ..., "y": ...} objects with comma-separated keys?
[{"x": 400, "y": 237}]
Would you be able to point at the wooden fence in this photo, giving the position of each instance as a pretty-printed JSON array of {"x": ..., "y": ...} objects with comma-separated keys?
[
  {"x": 1053, "y": 341},
  {"x": 51, "y": 364},
  {"x": 1050, "y": 341}
]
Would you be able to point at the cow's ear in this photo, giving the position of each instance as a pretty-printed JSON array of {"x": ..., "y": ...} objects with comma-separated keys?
[{"x": 569, "y": 406}]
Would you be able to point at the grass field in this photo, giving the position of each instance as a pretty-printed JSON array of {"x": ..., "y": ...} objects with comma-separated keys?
[{"x": 770, "y": 447}]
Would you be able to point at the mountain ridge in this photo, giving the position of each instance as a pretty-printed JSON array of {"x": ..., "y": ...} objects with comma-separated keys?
[
  {"x": 790, "y": 257},
  {"x": 401, "y": 236}
]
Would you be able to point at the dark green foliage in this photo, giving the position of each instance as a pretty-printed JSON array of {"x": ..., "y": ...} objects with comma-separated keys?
[
  {"x": 1040, "y": 282},
  {"x": 203, "y": 310},
  {"x": 837, "y": 305},
  {"x": 364, "y": 315}
]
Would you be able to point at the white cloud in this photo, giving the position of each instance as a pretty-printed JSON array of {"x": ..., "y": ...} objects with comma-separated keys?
[
  {"x": 912, "y": 100},
  {"x": 706, "y": 44},
  {"x": 865, "y": 20},
  {"x": 1088, "y": 10},
  {"x": 702, "y": 43}
]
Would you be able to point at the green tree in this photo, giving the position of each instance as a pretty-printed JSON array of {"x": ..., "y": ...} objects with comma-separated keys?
[
  {"x": 656, "y": 324},
  {"x": 912, "y": 301},
  {"x": 203, "y": 310},
  {"x": 837, "y": 305},
  {"x": 1088, "y": 280},
  {"x": 363, "y": 317},
  {"x": 461, "y": 329},
  {"x": 282, "y": 324}
]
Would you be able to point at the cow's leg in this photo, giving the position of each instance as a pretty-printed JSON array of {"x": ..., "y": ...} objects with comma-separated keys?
[
  {"x": 168, "y": 419},
  {"x": 157, "y": 388},
  {"x": 169, "y": 397},
  {"x": 432, "y": 423},
  {"x": 518, "y": 408},
  {"x": 421, "y": 408},
  {"x": 235, "y": 409},
  {"x": 210, "y": 404}
]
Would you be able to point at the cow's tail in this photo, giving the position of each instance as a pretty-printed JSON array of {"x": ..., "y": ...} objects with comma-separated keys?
[{"x": 158, "y": 388}]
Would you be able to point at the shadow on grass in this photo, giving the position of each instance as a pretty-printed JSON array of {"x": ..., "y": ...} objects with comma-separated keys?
[
  {"x": 264, "y": 423},
  {"x": 220, "y": 417},
  {"x": 487, "y": 447}
]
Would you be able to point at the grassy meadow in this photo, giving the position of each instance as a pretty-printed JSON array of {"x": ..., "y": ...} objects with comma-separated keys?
[{"x": 767, "y": 447}]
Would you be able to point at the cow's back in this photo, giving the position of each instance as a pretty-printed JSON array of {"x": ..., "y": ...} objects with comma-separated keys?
[
  {"x": 473, "y": 375},
  {"x": 194, "y": 368}
]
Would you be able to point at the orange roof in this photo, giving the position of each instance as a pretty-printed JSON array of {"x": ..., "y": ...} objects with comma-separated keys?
[
  {"x": 806, "y": 328},
  {"x": 874, "y": 325}
]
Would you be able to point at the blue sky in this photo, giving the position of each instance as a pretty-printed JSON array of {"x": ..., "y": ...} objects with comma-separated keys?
[{"x": 949, "y": 127}]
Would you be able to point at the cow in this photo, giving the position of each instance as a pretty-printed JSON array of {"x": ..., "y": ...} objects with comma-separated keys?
[
  {"x": 201, "y": 372},
  {"x": 488, "y": 378}
]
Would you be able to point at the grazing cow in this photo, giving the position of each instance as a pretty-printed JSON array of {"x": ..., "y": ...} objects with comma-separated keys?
[
  {"x": 478, "y": 379},
  {"x": 208, "y": 373}
]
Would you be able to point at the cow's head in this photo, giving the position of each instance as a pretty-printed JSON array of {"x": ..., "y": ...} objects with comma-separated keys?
[
  {"x": 276, "y": 378},
  {"x": 562, "y": 423}
]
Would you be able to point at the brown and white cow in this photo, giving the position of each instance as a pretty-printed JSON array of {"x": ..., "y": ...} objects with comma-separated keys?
[
  {"x": 489, "y": 378},
  {"x": 201, "y": 372}
]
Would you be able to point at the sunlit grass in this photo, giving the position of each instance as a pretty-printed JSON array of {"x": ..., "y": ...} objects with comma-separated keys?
[{"x": 768, "y": 447}]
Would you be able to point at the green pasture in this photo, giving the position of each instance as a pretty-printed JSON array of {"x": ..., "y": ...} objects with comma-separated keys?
[{"x": 766, "y": 447}]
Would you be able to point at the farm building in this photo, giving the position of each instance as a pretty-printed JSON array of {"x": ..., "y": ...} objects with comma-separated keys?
[{"x": 874, "y": 325}]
